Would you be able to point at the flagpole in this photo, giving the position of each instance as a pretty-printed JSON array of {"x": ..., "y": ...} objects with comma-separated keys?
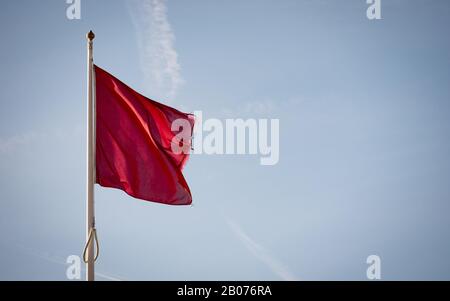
[{"x": 90, "y": 176}]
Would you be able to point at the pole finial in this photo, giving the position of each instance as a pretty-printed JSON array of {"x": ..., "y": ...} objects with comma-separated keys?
[{"x": 90, "y": 35}]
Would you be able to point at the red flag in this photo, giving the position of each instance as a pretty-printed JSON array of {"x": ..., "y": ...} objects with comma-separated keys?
[{"x": 136, "y": 149}]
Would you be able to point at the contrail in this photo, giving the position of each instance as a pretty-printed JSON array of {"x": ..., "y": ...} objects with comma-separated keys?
[
  {"x": 158, "y": 57},
  {"x": 261, "y": 253},
  {"x": 58, "y": 260}
]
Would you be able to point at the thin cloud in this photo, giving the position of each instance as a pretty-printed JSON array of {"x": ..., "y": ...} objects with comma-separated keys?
[
  {"x": 158, "y": 57},
  {"x": 24, "y": 140},
  {"x": 263, "y": 107},
  {"x": 10, "y": 144},
  {"x": 261, "y": 253}
]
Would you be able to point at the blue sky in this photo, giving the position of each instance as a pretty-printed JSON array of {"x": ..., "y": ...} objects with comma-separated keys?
[{"x": 363, "y": 108}]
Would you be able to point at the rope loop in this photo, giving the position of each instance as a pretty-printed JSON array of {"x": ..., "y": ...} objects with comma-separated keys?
[{"x": 92, "y": 236}]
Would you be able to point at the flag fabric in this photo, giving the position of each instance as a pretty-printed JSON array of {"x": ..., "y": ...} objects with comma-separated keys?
[{"x": 136, "y": 148}]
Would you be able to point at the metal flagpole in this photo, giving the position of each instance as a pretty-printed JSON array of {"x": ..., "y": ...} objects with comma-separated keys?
[{"x": 88, "y": 256}]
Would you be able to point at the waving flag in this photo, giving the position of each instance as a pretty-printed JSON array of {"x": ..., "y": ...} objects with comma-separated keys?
[{"x": 138, "y": 150}]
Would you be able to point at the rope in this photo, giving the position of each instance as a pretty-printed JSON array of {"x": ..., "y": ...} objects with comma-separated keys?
[{"x": 92, "y": 236}]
